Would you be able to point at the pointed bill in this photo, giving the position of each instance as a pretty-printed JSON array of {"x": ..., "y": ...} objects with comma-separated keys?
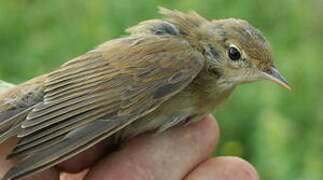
[{"x": 276, "y": 77}]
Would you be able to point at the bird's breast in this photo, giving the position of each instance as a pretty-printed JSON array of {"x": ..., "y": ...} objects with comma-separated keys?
[{"x": 208, "y": 94}]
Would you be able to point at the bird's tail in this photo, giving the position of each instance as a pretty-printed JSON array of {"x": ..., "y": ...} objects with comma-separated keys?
[
  {"x": 4, "y": 108},
  {"x": 15, "y": 104}
]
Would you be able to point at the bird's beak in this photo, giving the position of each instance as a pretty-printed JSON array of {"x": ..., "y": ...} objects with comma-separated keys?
[{"x": 273, "y": 75}]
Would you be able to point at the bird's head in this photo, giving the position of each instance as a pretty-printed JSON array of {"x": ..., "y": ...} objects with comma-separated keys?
[
  {"x": 239, "y": 53},
  {"x": 235, "y": 51}
]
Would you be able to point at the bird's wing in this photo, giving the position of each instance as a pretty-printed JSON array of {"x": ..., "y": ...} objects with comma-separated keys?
[{"x": 119, "y": 82}]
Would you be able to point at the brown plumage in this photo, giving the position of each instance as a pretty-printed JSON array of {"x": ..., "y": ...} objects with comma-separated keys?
[{"x": 167, "y": 72}]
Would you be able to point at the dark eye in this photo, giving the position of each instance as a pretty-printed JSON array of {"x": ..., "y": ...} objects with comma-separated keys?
[{"x": 234, "y": 53}]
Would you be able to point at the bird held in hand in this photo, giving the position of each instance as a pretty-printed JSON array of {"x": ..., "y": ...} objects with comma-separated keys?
[{"x": 167, "y": 72}]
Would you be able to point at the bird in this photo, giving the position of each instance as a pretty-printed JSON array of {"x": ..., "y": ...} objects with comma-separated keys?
[{"x": 167, "y": 72}]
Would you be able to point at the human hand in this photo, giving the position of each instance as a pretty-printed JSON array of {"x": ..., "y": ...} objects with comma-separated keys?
[{"x": 179, "y": 153}]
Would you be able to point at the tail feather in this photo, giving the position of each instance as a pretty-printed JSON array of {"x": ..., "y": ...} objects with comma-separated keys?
[
  {"x": 5, "y": 111},
  {"x": 73, "y": 143},
  {"x": 11, "y": 126},
  {"x": 15, "y": 104},
  {"x": 9, "y": 133}
]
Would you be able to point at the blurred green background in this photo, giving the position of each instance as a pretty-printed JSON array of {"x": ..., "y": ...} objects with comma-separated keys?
[{"x": 280, "y": 132}]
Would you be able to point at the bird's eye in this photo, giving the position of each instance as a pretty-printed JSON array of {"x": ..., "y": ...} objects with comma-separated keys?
[{"x": 234, "y": 54}]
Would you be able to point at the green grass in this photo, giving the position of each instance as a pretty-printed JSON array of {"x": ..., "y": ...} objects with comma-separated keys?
[{"x": 280, "y": 132}]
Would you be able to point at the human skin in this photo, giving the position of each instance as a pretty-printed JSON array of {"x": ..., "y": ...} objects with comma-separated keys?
[{"x": 179, "y": 153}]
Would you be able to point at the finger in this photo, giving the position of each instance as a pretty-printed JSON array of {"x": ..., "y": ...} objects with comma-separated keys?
[
  {"x": 224, "y": 168},
  {"x": 169, "y": 155},
  {"x": 78, "y": 176},
  {"x": 85, "y": 159},
  {"x": 48, "y": 174},
  {"x": 73, "y": 165},
  {"x": 5, "y": 149}
]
